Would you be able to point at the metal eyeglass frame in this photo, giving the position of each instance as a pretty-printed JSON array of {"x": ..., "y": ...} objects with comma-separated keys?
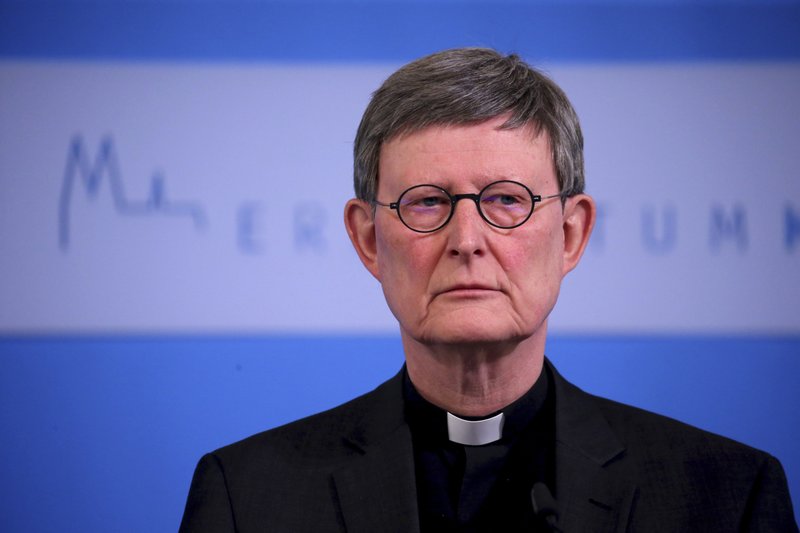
[{"x": 455, "y": 198}]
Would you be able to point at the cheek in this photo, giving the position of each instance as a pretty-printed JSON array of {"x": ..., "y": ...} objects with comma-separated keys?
[
  {"x": 552, "y": 253},
  {"x": 405, "y": 266},
  {"x": 535, "y": 261},
  {"x": 403, "y": 261}
]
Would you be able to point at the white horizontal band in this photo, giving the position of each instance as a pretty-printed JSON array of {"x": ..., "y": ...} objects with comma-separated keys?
[{"x": 475, "y": 432}]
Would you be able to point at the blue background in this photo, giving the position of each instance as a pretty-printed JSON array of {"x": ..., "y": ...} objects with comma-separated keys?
[{"x": 101, "y": 432}]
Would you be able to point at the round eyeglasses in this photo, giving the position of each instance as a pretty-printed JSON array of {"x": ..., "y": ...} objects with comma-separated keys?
[{"x": 503, "y": 204}]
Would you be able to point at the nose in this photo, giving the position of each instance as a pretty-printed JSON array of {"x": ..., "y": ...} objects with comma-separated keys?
[{"x": 466, "y": 230}]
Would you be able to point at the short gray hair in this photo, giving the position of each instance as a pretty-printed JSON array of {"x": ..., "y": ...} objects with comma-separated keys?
[{"x": 468, "y": 86}]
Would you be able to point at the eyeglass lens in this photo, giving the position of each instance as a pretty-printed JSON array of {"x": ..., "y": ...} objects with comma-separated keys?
[{"x": 505, "y": 204}]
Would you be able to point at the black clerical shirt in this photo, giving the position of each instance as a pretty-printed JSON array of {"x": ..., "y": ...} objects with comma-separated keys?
[{"x": 463, "y": 488}]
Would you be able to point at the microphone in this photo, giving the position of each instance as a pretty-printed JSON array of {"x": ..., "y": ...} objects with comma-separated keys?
[{"x": 544, "y": 506}]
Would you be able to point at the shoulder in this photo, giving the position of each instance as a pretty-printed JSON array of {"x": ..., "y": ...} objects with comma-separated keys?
[
  {"x": 646, "y": 432},
  {"x": 283, "y": 476},
  {"x": 317, "y": 441},
  {"x": 679, "y": 465},
  {"x": 645, "y": 435},
  {"x": 681, "y": 474}
]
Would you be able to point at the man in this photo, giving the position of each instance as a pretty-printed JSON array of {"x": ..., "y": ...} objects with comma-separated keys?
[{"x": 470, "y": 211}]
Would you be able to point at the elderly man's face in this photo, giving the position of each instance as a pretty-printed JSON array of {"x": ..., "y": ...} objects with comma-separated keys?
[{"x": 469, "y": 281}]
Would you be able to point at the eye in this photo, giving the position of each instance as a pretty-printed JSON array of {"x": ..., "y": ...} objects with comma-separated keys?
[
  {"x": 507, "y": 199},
  {"x": 426, "y": 202},
  {"x": 431, "y": 201},
  {"x": 502, "y": 199}
]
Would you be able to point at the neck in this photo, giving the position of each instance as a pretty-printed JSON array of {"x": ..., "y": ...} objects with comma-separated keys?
[{"x": 474, "y": 380}]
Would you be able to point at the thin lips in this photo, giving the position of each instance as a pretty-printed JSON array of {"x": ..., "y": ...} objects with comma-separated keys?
[{"x": 467, "y": 287}]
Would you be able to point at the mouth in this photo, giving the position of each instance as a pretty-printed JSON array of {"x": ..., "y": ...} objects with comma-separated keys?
[{"x": 467, "y": 290}]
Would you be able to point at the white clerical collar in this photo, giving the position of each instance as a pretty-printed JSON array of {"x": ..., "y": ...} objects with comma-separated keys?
[{"x": 475, "y": 432}]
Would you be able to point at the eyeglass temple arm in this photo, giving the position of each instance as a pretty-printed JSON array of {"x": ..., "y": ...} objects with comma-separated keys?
[{"x": 557, "y": 195}]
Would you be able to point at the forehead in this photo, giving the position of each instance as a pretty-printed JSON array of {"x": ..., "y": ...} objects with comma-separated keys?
[{"x": 478, "y": 153}]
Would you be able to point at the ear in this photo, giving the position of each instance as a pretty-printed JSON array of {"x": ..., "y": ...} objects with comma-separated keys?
[
  {"x": 579, "y": 216},
  {"x": 359, "y": 220}
]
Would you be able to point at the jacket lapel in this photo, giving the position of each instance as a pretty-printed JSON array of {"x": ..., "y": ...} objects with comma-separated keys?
[
  {"x": 592, "y": 489},
  {"x": 376, "y": 488}
]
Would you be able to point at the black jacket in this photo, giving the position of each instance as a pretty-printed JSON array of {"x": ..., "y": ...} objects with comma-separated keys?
[{"x": 618, "y": 468}]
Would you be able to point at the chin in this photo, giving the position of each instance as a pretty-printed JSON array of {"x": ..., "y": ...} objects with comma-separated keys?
[{"x": 476, "y": 330}]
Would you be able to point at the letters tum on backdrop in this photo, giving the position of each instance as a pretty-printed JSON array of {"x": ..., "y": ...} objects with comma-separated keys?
[{"x": 727, "y": 228}]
